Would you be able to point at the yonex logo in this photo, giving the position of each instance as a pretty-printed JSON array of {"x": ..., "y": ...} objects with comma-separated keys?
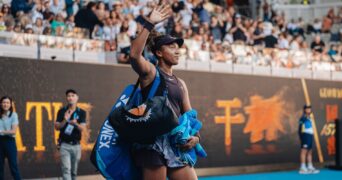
[
  {"x": 107, "y": 135},
  {"x": 122, "y": 101}
]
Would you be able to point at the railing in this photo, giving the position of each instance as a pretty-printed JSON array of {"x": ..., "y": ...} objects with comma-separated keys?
[
  {"x": 261, "y": 56},
  {"x": 308, "y": 12},
  {"x": 311, "y": 1},
  {"x": 217, "y": 67},
  {"x": 52, "y": 48},
  {"x": 40, "y": 47}
]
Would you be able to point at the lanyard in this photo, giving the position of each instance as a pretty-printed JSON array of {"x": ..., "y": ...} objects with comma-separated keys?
[{"x": 75, "y": 115}]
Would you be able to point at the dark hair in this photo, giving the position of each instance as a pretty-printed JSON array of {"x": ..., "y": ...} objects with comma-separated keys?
[
  {"x": 90, "y": 5},
  {"x": 70, "y": 91},
  {"x": 3, "y": 9},
  {"x": 307, "y": 106},
  {"x": 46, "y": 31},
  {"x": 124, "y": 28},
  {"x": 11, "y": 108},
  {"x": 284, "y": 34},
  {"x": 98, "y": 4},
  {"x": 110, "y": 14},
  {"x": 151, "y": 42}
]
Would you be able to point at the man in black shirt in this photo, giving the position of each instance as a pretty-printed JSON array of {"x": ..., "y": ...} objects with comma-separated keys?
[
  {"x": 317, "y": 45},
  {"x": 238, "y": 30},
  {"x": 86, "y": 18},
  {"x": 271, "y": 41},
  {"x": 70, "y": 122},
  {"x": 258, "y": 35}
]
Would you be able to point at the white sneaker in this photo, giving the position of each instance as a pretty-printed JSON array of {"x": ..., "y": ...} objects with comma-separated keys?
[
  {"x": 304, "y": 171},
  {"x": 313, "y": 170}
]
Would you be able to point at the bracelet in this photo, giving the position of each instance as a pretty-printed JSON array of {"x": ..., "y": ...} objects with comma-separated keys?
[{"x": 199, "y": 138}]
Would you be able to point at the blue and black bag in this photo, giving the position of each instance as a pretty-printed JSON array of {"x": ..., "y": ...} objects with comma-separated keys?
[
  {"x": 144, "y": 122},
  {"x": 111, "y": 154}
]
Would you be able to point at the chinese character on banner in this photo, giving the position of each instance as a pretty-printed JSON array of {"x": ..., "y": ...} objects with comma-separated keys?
[
  {"x": 229, "y": 119},
  {"x": 265, "y": 117},
  {"x": 265, "y": 122}
]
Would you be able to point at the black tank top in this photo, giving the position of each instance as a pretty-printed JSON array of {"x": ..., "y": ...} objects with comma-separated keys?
[{"x": 174, "y": 91}]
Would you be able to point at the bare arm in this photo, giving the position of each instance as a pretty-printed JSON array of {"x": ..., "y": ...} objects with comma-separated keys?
[
  {"x": 80, "y": 126},
  {"x": 62, "y": 119},
  {"x": 193, "y": 140},
  {"x": 243, "y": 29},
  {"x": 258, "y": 36},
  {"x": 60, "y": 125},
  {"x": 233, "y": 29},
  {"x": 12, "y": 131},
  {"x": 186, "y": 100},
  {"x": 139, "y": 63},
  {"x": 220, "y": 22}
]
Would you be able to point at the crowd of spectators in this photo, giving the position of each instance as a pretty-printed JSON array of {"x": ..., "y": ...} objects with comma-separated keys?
[{"x": 212, "y": 32}]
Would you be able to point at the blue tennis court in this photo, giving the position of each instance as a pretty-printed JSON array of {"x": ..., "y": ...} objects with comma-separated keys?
[{"x": 287, "y": 175}]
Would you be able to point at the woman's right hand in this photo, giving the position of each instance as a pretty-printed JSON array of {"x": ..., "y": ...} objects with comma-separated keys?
[{"x": 160, "y": 13}]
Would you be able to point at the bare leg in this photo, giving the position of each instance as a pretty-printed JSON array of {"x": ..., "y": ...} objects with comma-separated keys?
[
  {"x": 154, "y": 173},
  {"x": 183, "y": 173},
  {"x": 309, "y": 156},
  {"x": 312, "y": 169},
  {"x": 303, "y": 154}
]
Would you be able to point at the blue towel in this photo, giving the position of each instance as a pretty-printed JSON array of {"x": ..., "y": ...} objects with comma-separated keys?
[{"x": 189, "y": 125}]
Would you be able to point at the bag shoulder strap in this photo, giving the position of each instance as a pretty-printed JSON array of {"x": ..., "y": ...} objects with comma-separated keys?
[
  {"x": 133, "y": 92},
  {"x": 153, "y": 90},
  {"x": 155, "y": 85}
]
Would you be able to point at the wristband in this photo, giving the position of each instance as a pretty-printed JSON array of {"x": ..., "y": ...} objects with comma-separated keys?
[
  {"x": 146, "y": 24},
  {"x": 149, "y": 26}
]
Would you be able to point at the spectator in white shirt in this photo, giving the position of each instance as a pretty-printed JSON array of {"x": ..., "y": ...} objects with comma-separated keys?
[
  {"x": 203, "y": 54},
  {"x": 186, "y": 15},
  {"x": 317, "y": 26},
  {"x": 38, "y": 26},
  {"x": 109, "y": 31},
  {"x": 57, "y": 6},
  {"x": 132, "y": 25},
  {"x": 37, "y": 12},
  {"x": 283, "y": 43},
  {"x": 296, "y": 42}
]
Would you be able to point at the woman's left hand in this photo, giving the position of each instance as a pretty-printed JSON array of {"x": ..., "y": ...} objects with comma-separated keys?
[{"x": 190, "y": 144}]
